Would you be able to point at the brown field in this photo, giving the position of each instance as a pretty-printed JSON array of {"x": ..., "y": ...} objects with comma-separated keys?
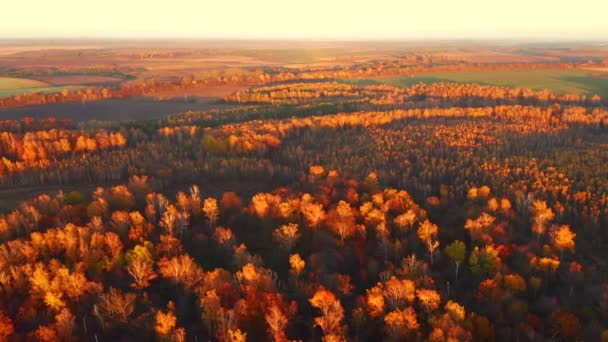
[
  {"x": 582, "y": 52},
  {"x": 232, "y": 60},
  {"x": 137, "y": 108},
  {"x": 16, "y": 49},
  {"x": 496, "y": 57},
  {"x": 78, "y": 79},
  {"x": 154, "y": 63},
  {"x": 326, "y": 62},
  {"x": 177, "y": 66},
  {"x": 176, "y": 58}
]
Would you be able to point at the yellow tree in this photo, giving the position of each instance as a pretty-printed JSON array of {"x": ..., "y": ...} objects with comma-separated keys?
[
  {"x": 277, "y": 322},
  {"x": 316, "y": 171},
  {"x": 399, "y": 292},
  {"x": 224, "y": 236},
  {"x": 181, "y": 269},
  {"x": 142, "y": 272},
  {"x": 563, "y": 238},
  {"x": 313, "y": 213},
  {"x": 65, "y": 325},
  {"x": 116, "y": 305},
  {"x": 236, "y": 335},
  {"x": 342, "y": 220},
  {"x": 429, "y": 299},
  {"x": 287, "y": 235},
  {"x": 259, "y": 205},
  {"x": 182, "y": 222},
  {"x": 477, "y": 228},
  {"x": 541, "y": 216},
  {"x": 195, "y": 200},
  {"x": 211, "y": 210},
  {"x": 168, "y": 219},
  {"x": 332, "y": 314},
  {"x": 375, "y": 301},
  {"x": 427, "y": 232},
  {"x": 400, "y": 323},
  {"x": 297, "y": 265},
  {"x": 405, "y": 220},
  {"x": 182, "y": 201},
  {"x": 210, "y": 303},
  {"x": 165, "y": 323}
]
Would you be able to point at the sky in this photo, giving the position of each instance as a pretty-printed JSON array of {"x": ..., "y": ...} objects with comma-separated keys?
[{"x": 309, "y": 19}]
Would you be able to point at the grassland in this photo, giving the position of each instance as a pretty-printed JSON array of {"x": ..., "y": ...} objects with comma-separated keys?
[
  {"x": 10, "y": 86},
  {"x": 19, "y": 91},
  {"x": 74, "y": 80},
  {"x": 19, "y": 83},
  {"x": 579, "y": 81}
]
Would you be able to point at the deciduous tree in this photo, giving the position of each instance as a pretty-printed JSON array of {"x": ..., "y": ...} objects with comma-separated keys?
[
  {"x": 456, "y": 251},
  {"x": 332, "y": 313},
  {"x": 427, "y": 232}
]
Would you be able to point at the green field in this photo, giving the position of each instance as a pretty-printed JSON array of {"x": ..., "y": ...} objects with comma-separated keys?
[
  {"x": 19, "y": 91},
  {"x": 10, "y": 86},
  {"x": 577, "y": 81},
  {"x": 19, "y": 83}
]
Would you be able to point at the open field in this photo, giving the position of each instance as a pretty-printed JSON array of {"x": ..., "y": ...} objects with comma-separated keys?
[
  {"x": 477, "y": 56},
  {"x": 19, "y": 83},
  {"x": 174, "y": 58},
  {"x": 139, "y": 108},
  {"x": 19, "y": 91},
  {"x": 11, "y": 49},
  {"x": 587, "y": 82},
  {"x": 79, "y": 80},
  {"x": 10, "y": 86}
]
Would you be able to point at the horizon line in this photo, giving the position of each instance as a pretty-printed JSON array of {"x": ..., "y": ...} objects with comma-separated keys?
[{"x": 313, "y": 39}]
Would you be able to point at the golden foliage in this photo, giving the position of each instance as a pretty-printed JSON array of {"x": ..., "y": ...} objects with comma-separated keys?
[
  {"x": 332, "y": 312},
  {"x": 401, "y": 322},
  {"x": 428, "y": 299},
  {"x": 563, "y": 238}
]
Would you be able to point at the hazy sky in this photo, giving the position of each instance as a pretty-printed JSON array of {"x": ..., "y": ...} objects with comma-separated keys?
[{"x": 315, "y": 19}]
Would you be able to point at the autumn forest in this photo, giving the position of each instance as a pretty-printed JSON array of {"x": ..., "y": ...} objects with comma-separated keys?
[{"x": 303, "y": 194}]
